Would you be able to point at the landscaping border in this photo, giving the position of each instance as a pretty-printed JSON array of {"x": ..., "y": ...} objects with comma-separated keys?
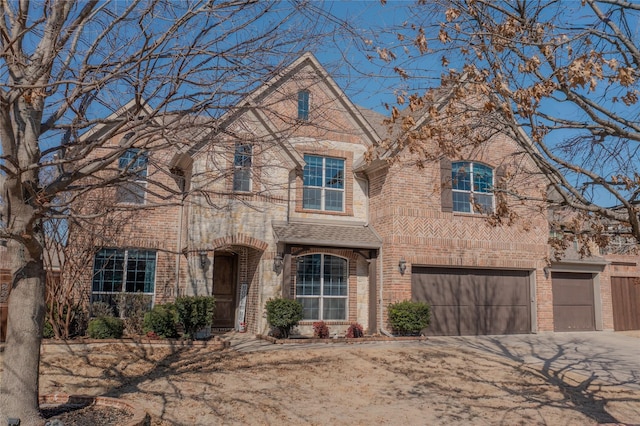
[
  {"x": 294, "y": 340},
  {"x": 140, "y": 417}
]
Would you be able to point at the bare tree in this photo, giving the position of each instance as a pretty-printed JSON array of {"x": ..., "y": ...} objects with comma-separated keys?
[
  {"x": 560, "y": 78},
  {"x": 75, "y": 74}
]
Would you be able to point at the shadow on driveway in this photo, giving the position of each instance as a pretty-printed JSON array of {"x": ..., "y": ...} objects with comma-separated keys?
[{"x": 581, "y": 365}]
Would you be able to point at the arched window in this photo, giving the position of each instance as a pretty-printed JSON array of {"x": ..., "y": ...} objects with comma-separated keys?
[
  {"x": 472, "y": 185},
  {"x": 321, "y": 286}
]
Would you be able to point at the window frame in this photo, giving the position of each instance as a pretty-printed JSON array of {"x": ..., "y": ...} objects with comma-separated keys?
[
  {"x": 304, "y": 101},
  {"x": 106, "y": 260},
  {"x": 323, "y": 188},
  {"x": 135, "y": 191},
  {"x": 242, "y": 173},
  {"x": 321, "y": 297},
  {"x": 475, "y": 190}
]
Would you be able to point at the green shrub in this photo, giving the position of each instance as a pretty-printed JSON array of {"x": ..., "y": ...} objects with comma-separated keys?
[
  {"x": 105, "y": 328},
  {"x": 283, "y": 315},
  {"x": 194, "y": 313},
  {"x": 409, "y": 317},
  {"x": 47, "y": 331},
  {"x": 320, "y": 330},
  {"x": 161, "y": 320}
]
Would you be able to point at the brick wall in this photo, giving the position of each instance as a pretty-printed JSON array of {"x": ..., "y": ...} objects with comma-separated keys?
[{"x": 406, "y": 211}]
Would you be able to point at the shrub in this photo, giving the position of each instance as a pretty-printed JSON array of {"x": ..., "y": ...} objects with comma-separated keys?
[
  {"x": 106, "y": 328},
  {"x": 80, "y": 322},
  {"x": 132, "y": 308},
  {"x": 409, "y": 317},
  {"x": 161, "y": 321},
  {"x": 283, "y": 314},
  {"x": 101, "y": 309},
  {"x": 194, "y": 313},
  {"x": 320, "y": 330},
  {"x": 47, "y": 331},
  {"x": 355, "y": 331}
]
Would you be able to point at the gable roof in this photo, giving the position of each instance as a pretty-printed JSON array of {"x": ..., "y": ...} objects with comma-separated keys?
[
  {"x": 112, "y": 120},
  {"x": 251, "y": 103}
]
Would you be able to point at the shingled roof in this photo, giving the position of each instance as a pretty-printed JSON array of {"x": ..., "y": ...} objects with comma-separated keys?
[{"x": 327, "y": 234}]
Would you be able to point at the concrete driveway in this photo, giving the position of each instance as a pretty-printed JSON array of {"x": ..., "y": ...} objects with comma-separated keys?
[{"x": 612, "y": 358}]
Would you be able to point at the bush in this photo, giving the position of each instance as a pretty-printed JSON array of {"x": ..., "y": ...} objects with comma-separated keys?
[
  {"x": 320, "y": 330},
  {"x": 106, "y": 328},
  {"x": 283, "y": 314},
  {"x": 132, "y": 308},
  {"x": 409, "y": 318},
  {"x": 355, "y": 331},
  {"x": 194, "y": 313},
  {"x": 47, "y": 331},
  {"x": 161, "y": 321},
  {"x": 101, "y": 309}
]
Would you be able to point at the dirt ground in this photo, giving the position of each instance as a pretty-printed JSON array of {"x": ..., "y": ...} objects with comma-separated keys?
[{"x": 336, "y": 384}]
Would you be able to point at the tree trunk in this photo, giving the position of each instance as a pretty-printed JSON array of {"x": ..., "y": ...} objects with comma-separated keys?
[{"x": 19, "y": 387}]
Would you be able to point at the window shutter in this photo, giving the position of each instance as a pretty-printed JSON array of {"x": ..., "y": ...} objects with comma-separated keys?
[
  {"x": 500, "y": 178},
  {"x": 446, "y": 192}
]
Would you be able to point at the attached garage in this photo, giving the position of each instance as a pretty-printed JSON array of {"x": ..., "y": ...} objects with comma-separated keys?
[
  {"x": 573, "y": 301},
  {"x": 625, "y": 296},
  {"x": 474, "y": 301}
]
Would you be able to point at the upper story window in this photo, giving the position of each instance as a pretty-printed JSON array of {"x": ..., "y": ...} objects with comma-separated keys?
[
  {"x": 472, "y": 185},
  {"x": 242, "y": 167},
  {"x": 321, "y": 287},
  {"x": 303, "y": 105},
  {"x": 133, "y": 163},
  {"x": 323, "y": 183}
]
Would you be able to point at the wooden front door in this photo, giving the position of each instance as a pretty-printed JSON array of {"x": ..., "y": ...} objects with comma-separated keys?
[{"x": 224, "y": 289}]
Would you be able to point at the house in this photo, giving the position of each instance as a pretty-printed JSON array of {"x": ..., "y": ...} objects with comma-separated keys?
[{"x": 277, "y": 199}]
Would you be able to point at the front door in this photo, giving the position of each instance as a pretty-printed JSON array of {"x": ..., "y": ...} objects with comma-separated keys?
[{"x": 224, "y": 289}]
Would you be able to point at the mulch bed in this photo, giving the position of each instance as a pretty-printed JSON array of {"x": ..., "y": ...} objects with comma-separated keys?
[{"x": 92, "y": 415}]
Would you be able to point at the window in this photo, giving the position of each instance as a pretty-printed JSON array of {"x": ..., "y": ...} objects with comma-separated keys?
[
  {"x": 303, "y": 105},
  {"x": 323, "y": 183},
  {"x": 242, "y": 167},
  {"x": 321, "y": 287},
  {"x": 133, "y": 165},
  {"x": 122, "y": 271},
  {"x": 472, "y": 185}
]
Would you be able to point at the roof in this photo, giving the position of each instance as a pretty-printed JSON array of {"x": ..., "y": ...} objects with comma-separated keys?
[{"x": 356, "y": 235}]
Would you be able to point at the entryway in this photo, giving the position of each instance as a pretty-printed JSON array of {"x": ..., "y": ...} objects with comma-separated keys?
[{"x": 225, "y": 277}]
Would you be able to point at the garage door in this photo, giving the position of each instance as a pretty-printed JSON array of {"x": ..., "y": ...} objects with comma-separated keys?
[
  {"x": 474, "y": 301},
  {"x": 625, "y": 295},
  {"x": 573, "y": 307}
]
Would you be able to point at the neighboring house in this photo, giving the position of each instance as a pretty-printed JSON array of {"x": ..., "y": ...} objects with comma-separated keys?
[{"x": 277, "y": 200}]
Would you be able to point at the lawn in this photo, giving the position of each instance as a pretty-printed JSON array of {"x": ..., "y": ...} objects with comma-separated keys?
[{"x": 338, "y": 384}]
